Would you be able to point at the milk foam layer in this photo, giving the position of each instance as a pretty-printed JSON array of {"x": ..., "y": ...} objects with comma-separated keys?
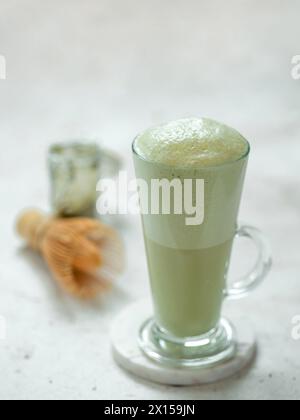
[{"x": 191, "y": 142}]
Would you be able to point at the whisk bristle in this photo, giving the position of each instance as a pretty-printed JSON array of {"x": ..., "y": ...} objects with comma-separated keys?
[{"x": 83, "y": 254}]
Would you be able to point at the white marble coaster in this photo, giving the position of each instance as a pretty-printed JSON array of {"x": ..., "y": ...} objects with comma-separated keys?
[{"x": 127, "y": 354}]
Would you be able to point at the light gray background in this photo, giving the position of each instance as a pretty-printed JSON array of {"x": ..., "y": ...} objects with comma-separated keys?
[{"x": 107, "y": 69}]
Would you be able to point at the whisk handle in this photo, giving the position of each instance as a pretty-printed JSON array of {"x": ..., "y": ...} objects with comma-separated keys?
[{"x": 31, "y": 226}]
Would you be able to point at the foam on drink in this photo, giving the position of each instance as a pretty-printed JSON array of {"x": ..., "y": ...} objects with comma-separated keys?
[{"x": 191, "y": 142}]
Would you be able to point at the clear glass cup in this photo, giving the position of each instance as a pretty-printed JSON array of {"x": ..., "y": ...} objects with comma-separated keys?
[
  {"x": 75, "y": 167},
  {"x": 188, "y": 267}
]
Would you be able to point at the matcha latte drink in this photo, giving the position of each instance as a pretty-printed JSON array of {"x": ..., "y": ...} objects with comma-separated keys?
[{"x": 188, "y": 262}]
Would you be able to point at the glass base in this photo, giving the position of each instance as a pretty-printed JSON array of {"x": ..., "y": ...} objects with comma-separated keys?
[{"x": 212, "y": 348}]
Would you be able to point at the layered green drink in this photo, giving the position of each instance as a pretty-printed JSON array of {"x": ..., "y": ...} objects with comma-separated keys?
[{"x": 188, "y": 264}]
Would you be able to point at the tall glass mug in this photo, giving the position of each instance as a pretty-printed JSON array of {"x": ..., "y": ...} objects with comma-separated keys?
[{"x": 188, "y": 265}]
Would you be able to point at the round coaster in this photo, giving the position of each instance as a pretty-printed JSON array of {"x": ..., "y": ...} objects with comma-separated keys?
[{"x": 124, "y": 337}]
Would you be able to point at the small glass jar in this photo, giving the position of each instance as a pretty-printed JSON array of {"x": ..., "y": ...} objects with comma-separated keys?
[{"x": 75, "y": 169}]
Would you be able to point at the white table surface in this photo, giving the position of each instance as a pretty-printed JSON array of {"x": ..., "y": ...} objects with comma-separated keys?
[{"x": 107, "y": 69}]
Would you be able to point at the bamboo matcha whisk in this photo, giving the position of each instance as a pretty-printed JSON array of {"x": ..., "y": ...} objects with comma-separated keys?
[{"x": 83, "y": 254}]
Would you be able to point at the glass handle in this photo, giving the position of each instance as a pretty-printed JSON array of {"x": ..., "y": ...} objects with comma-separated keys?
[{"x": 244, "y": 285}]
